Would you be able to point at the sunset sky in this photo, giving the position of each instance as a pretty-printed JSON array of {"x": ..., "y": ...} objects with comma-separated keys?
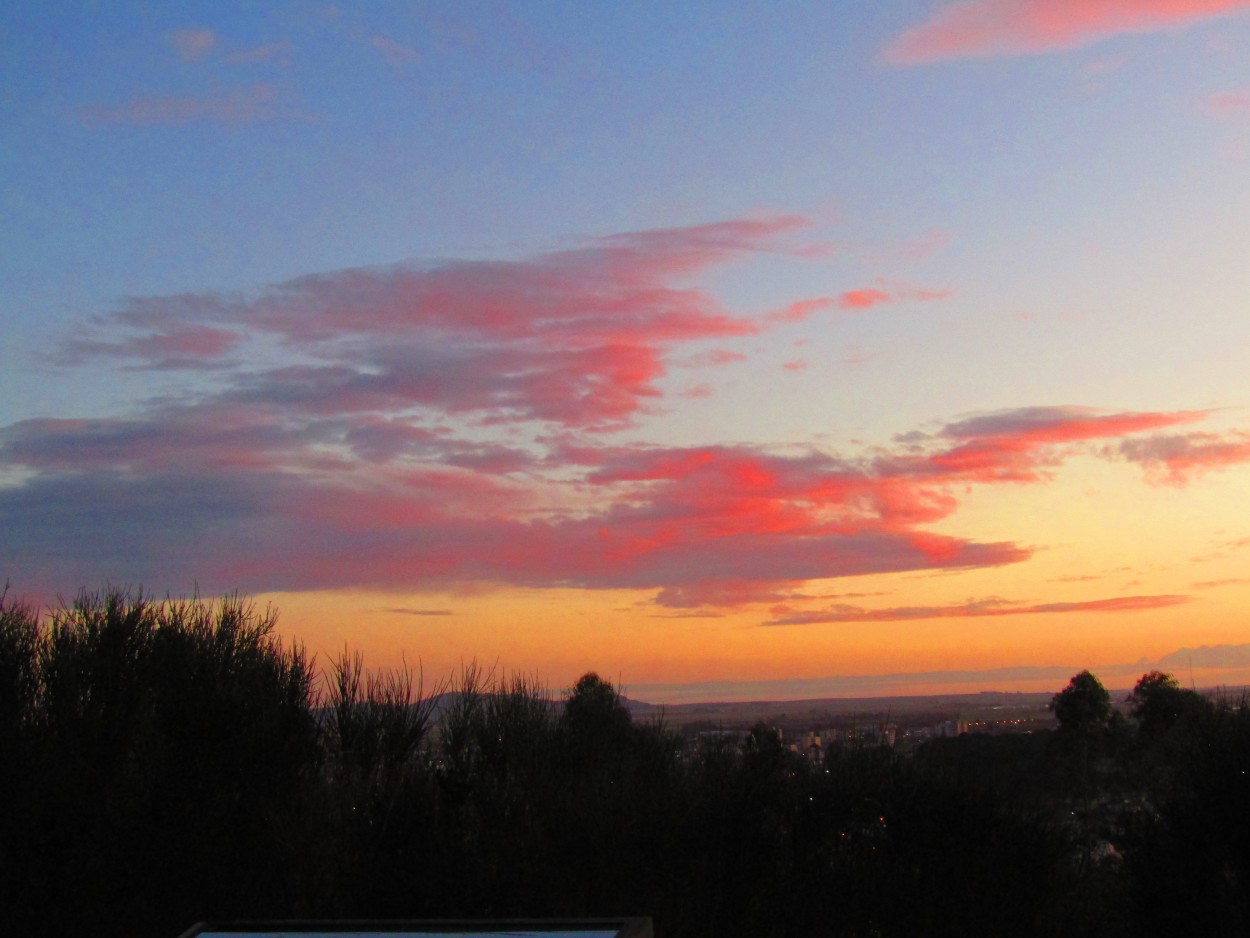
[{"x": 728, "y": 350}]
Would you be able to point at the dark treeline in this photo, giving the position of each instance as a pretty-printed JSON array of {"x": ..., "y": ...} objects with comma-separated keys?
[{"x": 167, "y": 762}]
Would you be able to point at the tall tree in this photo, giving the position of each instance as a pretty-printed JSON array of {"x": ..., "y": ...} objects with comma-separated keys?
[
  {"x": 1084, "y": 706},
  {"x": 1158, "y": 703}
]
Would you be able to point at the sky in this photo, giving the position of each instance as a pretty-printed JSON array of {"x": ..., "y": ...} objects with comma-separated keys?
[{"x": 726, "y": 350}]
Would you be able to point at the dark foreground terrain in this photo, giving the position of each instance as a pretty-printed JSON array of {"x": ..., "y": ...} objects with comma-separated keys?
[{"x": 166, "y": 762}]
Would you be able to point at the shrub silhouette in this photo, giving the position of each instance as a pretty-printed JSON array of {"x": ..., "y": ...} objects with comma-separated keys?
[
  {"x": 169, "y": 739},
  {"x": 19, "y": 671}
]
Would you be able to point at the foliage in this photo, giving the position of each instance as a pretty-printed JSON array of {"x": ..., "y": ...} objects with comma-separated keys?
[
  {"x": 161, "y": 730},
  {"x": 1189, "y": 858},
  {"x": 19, "y": 672},
  {"x": 19, "y": 697},
  {"x": 1084, "y": 706},
  {"x": 171, "y": 761},
  {"x": 1159, "y": 703}
]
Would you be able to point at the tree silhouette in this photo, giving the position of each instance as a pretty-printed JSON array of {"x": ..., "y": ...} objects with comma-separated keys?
[
  {"x": 19, "y": 694},
  {"x": 1084, "y": 706},
  {"x": 594, "y": 715},
  {"x": 1158, "y": 703},
  {"x": 1189, "y": 858}
]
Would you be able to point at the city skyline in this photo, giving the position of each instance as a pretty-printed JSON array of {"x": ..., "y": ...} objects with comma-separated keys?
[{"x": 704, "y": 348}]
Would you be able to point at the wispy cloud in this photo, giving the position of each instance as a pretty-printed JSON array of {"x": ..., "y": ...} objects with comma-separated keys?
[
  {"x": 1101, "y": 67},
  {"x": 1227, "y": 105},
  {"x": 1020, "y": 444},
  {"x": 396, "y": 54},
  {"x": 713, "y": 358},
  {"x": 258, "y": 102},
  {"x": 978, "y": 28},
  {"x": 578, "y": 337},
  {"x": 1175, "y": 459},
  {"x": 1215, "y": 584},
  {"x": 855, "y": 301},
  {"x": 193, "y": 45},
  {"x": 280, "y": 53},
  {"x": 974, "y": 609}
]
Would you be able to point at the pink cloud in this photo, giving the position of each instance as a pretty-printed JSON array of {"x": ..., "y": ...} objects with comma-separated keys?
[
  {"x": 854, "y": 301},
  {"x": 1228, "y": 104},
  {"x": 1175, "y": 459},
  {"x": 722, "y": 594},
  {"x": 797, "y": 365},
  {"x": 180, "y": 345},
  {"x": 697, "y": 392},
  {"x": 802, "y": 309},
  {"x": 978, "y": 28},
  {"x": 276, "y": 514},
  {"x": 857, "y": 356},
  {"x": 578, "y": 338},
  {"x": 862, "y": 299},
  {"x": 1019, "y": 445},
  {"x": 333, "y": 437},
  {"x": 264, "y": 494}
]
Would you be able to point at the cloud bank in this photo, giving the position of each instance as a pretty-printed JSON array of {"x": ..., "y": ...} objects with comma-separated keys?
[{"x": 452, "y": 424}]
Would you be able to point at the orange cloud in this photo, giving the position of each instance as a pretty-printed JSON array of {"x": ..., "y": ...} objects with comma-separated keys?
[{"x": 981, "y": 28}]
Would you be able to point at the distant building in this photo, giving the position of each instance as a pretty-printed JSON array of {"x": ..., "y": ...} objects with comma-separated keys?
[{"x": 523, "y": 928}]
